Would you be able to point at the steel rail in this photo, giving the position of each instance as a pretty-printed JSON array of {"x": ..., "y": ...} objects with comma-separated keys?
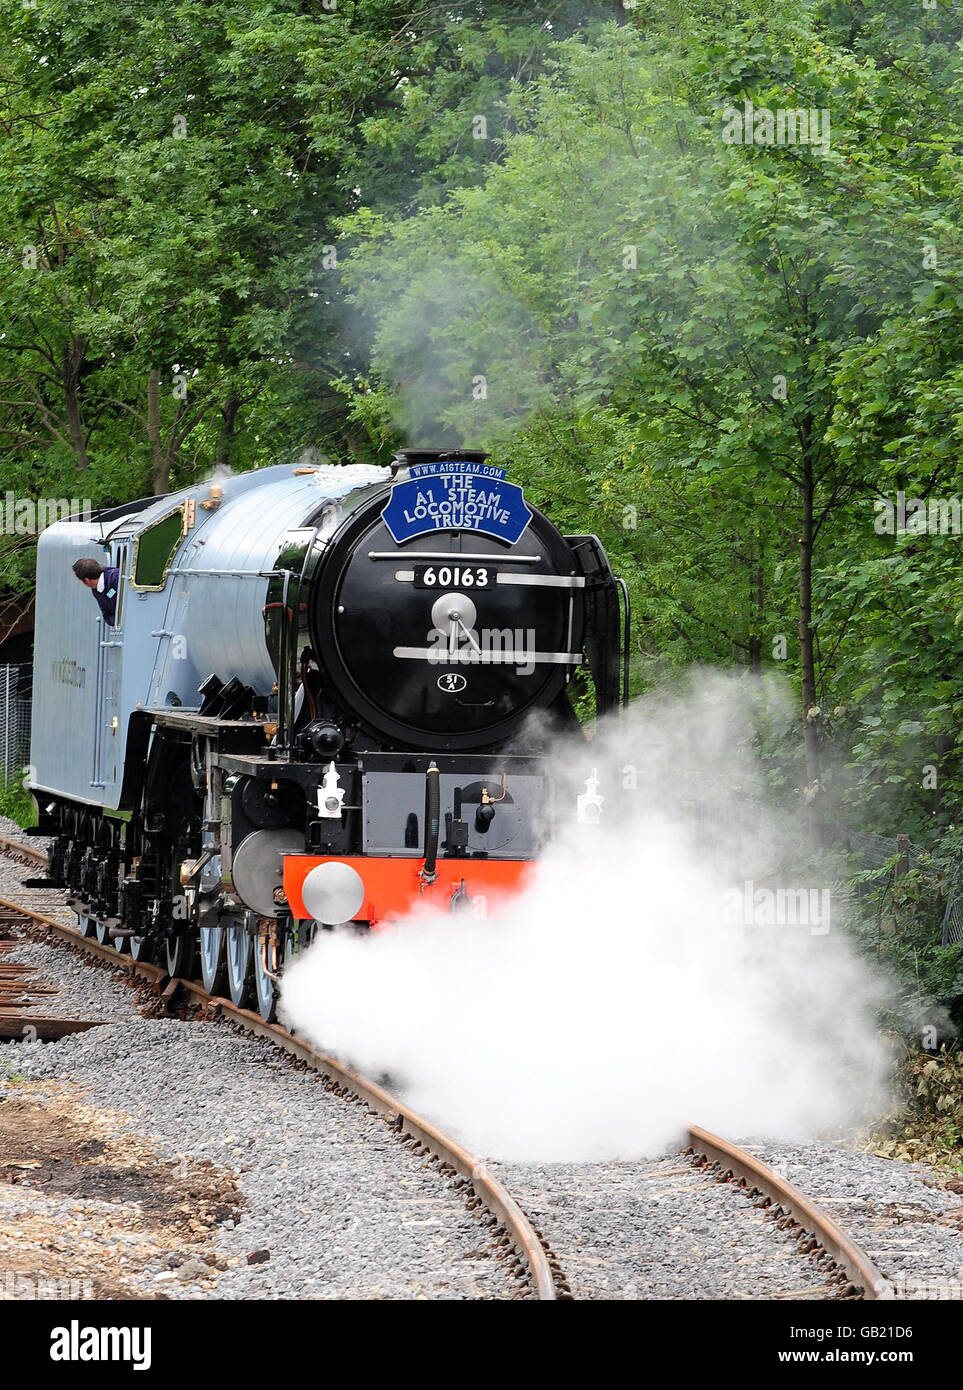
[
  {"x": 12, "y": 848},
  {"x": 757, "y": 1175},
  {"x": 490, "y": 1192},
  {"x": 730, "y": 1159}
]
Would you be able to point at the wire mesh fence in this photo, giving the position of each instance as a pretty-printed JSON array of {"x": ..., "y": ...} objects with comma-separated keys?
[
  {"x": 953, "y": 917},
  {"x": 15, "y": 692},
  {"x": 878, "y": 851}
]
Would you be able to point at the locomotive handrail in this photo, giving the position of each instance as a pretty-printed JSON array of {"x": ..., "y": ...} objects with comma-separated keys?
[
  {"x": 398, "y": 555},
  {"x": 288, "y": 655},
  {"x": 233, "y": 574},
  {"x": 432, "y": 823},
  {"x": 626, "y": 636},
  {"x": 284, "y": 679}
]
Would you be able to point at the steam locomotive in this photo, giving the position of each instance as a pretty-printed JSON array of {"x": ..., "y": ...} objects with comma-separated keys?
[{"x": 324, "y": 700}]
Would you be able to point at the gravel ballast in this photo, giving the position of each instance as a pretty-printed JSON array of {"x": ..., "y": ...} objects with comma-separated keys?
[
  {"x": 343, "y": 1210},
  {"x": 904, "y": 1216},
  {"x": 333, "y": 1205},
  {"x": 660, "y": 1229},
  {"x": 665, "y": 1229}
]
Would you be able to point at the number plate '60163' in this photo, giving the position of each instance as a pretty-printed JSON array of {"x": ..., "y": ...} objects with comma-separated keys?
[{"x": 453, "y": 577}]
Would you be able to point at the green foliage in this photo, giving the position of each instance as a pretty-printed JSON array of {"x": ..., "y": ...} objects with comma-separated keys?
[
  {"x": 168, "y": 256},
  {"x": 725, "y": 356},
  {"x": 17, "y": 804},
  {"x": 929, "y": 1126},
  {"x": 899, "y": 922},
  {"x": 235, "y": 231}
]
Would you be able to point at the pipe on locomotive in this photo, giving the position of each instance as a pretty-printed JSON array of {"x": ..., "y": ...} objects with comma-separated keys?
[
  {"x": 432, "y": 822},
  {"x": 626, "y": 637}
]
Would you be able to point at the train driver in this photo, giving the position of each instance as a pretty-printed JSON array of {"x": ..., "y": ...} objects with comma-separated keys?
[{"x": 103, "y": 580}]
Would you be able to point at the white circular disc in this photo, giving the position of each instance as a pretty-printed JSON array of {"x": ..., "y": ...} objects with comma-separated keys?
[{"x": 333, "y": 893}]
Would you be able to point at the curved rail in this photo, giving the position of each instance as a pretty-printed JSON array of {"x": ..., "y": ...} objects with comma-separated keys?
[
  {"x": 490, "y": 1192},
  {"x": 731, "y": 1160},
  {"x": 761, "y": 1178},
  {"x": 13, "y": 848}
]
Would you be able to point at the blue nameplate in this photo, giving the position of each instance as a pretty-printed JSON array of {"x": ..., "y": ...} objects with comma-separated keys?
[{"x": 456, "y": 495}]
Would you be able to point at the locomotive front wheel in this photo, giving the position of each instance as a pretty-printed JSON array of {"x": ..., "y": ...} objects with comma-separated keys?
[
  {"x": 296, "y": 940},
  {"x": 239, "y": 951},
  {"x": 289, "y": 945},
  {"x": 141, "y": 948},
  {"x": 85, "y": 924},
  {"x": 212, "y": 959},
  {"x": 266, "y": 961},
  {"x": 179, "y": 956},
  {"x": 102, "y": 933}
]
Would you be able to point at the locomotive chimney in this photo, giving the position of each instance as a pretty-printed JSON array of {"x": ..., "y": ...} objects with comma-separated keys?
[{"x": 404, "y": 458}]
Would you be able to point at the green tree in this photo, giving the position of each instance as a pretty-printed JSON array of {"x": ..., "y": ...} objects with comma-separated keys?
[{"x": 624, "y": 255}]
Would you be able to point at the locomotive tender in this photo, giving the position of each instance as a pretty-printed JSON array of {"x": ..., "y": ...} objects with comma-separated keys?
[{"x": 315, "y": 706}]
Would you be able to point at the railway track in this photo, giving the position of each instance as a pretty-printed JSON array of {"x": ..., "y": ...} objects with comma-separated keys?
[
  {"x": 421, "y": 1133},
  {"x": 787, "y": 1204},
  {"x": 850, "y": 1271}
]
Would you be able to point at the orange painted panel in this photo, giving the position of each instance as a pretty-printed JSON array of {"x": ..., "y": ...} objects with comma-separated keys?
[{"x": 393, "y": 888}]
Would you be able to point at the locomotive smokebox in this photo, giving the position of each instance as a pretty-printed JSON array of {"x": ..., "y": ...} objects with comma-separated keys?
[{"x": 444, "y": 609}]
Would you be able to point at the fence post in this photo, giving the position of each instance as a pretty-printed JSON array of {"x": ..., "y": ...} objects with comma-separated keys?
[
  {"x": 7, "y": 716},
  {"x": 902, "y": 849}
]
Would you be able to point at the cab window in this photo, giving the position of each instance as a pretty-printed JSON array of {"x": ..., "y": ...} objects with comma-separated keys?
[{"x": 154, "y": 549}]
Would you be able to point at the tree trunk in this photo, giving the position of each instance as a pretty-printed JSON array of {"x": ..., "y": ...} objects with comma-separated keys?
[
  {"x": 73, "y": 357},
  {"x": 806, "y": 645},
  {"x": 356, "y": 444},
  {"x": 225, "y": 435},
  {"x": 944, "y": 768},
  {"x": 757, "y": 609},
  {"x": 159, "y": 460}
]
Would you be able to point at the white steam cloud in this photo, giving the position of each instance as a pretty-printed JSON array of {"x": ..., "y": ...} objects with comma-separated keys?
[{"x": 681, "y": 961}]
